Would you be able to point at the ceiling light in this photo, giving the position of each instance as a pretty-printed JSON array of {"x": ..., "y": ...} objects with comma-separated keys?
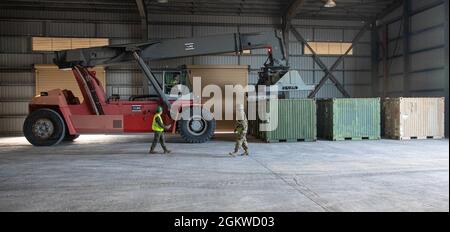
[
  {"x": 163, "y": 1},
  {"x": 330, "y": 4}
]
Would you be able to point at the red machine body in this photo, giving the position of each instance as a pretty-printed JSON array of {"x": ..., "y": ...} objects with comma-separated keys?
[{"x": 117, "y": 116}]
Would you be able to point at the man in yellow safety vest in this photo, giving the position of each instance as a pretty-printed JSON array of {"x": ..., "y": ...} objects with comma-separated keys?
[{"x": 158, "y": 128}]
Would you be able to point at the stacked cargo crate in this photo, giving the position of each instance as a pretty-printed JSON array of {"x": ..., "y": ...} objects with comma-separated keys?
[
  {"x": 349, "y": 119},
  {"x": 414, "y": 118},
  {"x": 288, "y": 120}
]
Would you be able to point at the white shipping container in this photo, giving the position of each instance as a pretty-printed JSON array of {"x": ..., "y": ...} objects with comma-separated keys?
[{"x": 413, "y": 118}]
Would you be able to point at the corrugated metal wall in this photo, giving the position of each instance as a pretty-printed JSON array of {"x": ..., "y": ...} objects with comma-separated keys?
[
  {"x": 18, "y": 26},
  {"x": 423, "y": 71}
]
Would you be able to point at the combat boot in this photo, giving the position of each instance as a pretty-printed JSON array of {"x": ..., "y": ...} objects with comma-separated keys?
[{"x": 233, "y": 154}]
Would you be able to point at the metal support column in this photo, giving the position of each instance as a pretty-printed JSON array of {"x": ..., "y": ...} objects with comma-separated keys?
[
  {"x": 446, "y": 73},
  {"x": 406, "y": 47},
  {"x": 375, "y": 53},
  {"x": 385, "y": 45}
]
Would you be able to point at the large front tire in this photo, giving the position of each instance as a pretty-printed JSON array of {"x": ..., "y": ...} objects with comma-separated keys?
[
  {"x": 44, "y": 127},
  {"x": 197, "y": 129}
]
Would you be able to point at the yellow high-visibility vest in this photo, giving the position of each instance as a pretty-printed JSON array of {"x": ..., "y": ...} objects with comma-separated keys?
[{"x": 155, "y": 126}]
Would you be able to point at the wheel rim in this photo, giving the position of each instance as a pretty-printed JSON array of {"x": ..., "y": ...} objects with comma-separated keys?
[
  {"x": 197, "y": 126},
  {"x": 43, "y": 128}
]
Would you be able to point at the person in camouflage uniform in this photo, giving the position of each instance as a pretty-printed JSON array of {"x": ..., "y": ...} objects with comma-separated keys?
[{"x": 241, "y": 132}]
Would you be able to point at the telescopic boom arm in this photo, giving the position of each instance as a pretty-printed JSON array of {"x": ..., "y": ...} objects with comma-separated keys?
[{"x": 274, "y": 68}]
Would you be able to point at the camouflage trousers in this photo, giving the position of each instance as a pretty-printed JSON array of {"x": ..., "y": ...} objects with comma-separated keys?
[{"x": 241, "y": 142}]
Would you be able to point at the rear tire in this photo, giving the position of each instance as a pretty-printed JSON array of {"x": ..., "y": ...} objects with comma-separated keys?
[
  {"x": 44, "y": 127},
  {"x": 197, "y": 129},
  {"x": 71, "y": 138}
]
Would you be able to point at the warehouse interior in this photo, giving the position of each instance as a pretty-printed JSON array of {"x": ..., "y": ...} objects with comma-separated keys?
[{"x": 360, "y": 49}]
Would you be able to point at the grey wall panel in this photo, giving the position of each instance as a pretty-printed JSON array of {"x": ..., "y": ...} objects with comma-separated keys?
[
  {"x": 427, "y": 80},
  {"x": 21, "y": 28},
  {"x": 306, "y": 33},
  {"x": 329, "y": 61},
  {"x": 124, "y": 92},
  {"x": 253, "y": 78},
  {"x": 302, "y": 62},
  {"x": 16, "y": 78},
  {"x": 118, "y": 30},
  {"x": 172, "y": 63},
  {"x": 114, "y": 41},
  {"x": 334, "y": 23},
  {"x": 169, "y": 31},
  {"x": 418, "y": 4},
  {"x": 429, "y": 18},
  {"x": 11, "y": 125},
  {"x": 435, "y": 93},
  {"x": 362, "y": 49},
  {"x": 318, "y": 75},
  {"x": 329, "y": 91},
  {"x": 349, "y": 36},
  {"x": 426, "y": 60},
  {"x": 20, "y": 60},
  {"x": 427, "y": 39},
  {"x": 359, "y": 90},
  {"x": 358, "y": 78},
  {"x": 307, "y": 76},
  {"x": 213, "y": 19},
  {"x": 15, "y": 44},
  {"x": 124, "y": 77},
  {"x": 255, "y": 62},
  {"x": 246, "y": 29},
  {"x": 71, "y": 29},
  {"x": 395, "y": 83},
  {"x": 295, "y": 48},
  {"x": 328, "y": 35},
  {"x": 213, "y": 30},
  {"x": 68, "y": 15},
  {"x": 16, "y": 92},
  {"x": 13, "y": 108},
  {"x": 393, "y": 15},
  {"x": 395, "y": 29},
  {"x": 357, "y": 63},
  {"x": 396, "y": 65},
  {"x": 395, "y": 47}
]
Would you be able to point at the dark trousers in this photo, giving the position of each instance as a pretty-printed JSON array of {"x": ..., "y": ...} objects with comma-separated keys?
[{"x": 159, "y": 137}]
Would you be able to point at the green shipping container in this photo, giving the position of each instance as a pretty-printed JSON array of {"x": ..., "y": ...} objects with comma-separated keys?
[
  {"x": 295, "y": 120},
  {"x": 349, "y": 118}
]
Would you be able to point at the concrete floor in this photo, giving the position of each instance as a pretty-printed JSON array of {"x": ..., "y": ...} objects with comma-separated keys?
[{"x": 114, "y": 173}]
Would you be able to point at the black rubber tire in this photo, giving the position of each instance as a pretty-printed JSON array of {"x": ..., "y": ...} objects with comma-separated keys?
[
  {"x": 205, "y": 136},
  {"x": 70, "y": 138},
  {"x": 59, "y": 131}
]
